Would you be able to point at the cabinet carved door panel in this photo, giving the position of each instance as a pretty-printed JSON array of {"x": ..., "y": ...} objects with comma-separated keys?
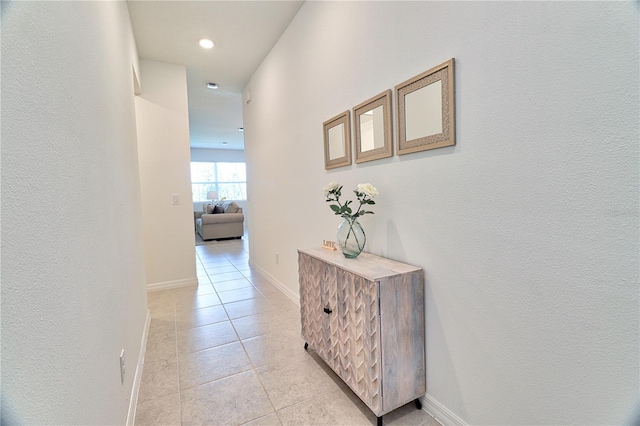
[
  {"x": 310, "y": 308},
  {"x": 359, "y": 340},
  {"x": 329, "y": 319},
  {"x": 317, "y": 292}
]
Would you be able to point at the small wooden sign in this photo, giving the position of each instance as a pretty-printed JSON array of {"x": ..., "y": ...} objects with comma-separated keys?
[{"x": 329, "y": 245}]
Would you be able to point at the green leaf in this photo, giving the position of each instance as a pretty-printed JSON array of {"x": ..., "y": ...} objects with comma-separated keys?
[
  {"x": 370, "y": 202},
  {"x": 335, "y": 208}
]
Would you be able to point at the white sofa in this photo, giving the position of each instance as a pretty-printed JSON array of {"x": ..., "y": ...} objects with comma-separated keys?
[{"x": 224, "y": 220}]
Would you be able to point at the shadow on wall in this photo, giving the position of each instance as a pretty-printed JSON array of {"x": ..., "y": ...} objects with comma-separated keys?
[
  {"x": 394, "y": 243},
  {"x": 437, "y": 351},
  {"x": 8, "y": 416},
  {"x": 437, "y": 348}
]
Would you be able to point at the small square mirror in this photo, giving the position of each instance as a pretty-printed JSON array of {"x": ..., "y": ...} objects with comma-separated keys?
[
  {"x": 373, "y": 128},
  {"x": 337, "y": 141},
  {"x": 426, "y": 113}
]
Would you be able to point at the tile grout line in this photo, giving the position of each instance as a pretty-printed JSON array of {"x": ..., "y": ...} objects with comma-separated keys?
[
  {"x": 254, "y": 367},
  {"x": 218, "y": 379},
  {"x": 175, "y": 328},
  {"x": 255, "y": 371},
  {"x": 175, "y": 325}
]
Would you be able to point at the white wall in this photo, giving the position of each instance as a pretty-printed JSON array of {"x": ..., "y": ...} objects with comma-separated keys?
[
  {"x": 527, "y": 229},
  {"x": 213, "y": 155},
  {"x": 73, "y": 290},
  {"x": 163, "y": 148}
]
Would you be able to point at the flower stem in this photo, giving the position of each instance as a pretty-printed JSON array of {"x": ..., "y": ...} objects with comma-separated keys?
[{"x": 351, "y": 221}]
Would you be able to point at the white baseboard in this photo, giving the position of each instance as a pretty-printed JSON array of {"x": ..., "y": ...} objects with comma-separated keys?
[
  {"x": 441, "y": 413},
  {"x": 172, "y": 284},
  {"x": 295, "y": 298},
  {"x": 133, "y": 400}
]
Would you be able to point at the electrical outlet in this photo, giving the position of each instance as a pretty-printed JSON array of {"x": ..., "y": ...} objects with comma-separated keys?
[
  {"x": 277, "y": 258},
  {"x": 122, "y": 367}
]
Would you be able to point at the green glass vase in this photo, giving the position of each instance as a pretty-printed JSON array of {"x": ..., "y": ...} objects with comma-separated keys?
[{"x": 351, "y": 237}]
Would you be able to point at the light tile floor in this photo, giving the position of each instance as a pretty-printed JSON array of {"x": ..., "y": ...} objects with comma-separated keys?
[{"x": 229, "y": 352}]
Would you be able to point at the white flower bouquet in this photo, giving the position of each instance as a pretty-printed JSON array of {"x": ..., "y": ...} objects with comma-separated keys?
[{"x": 365, "y": 192}]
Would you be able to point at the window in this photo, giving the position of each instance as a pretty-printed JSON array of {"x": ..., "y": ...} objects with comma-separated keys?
[{"x": 229, "y": 179}]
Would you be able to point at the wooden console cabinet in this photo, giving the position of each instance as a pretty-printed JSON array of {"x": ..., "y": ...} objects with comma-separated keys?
[{"x": 365, "y": 318}]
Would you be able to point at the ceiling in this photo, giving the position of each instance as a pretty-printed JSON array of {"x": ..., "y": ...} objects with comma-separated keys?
[{"x": 243, "y": 33}]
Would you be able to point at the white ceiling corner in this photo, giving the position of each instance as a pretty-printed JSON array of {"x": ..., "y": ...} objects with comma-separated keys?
[{"x": 243, "y": 33}]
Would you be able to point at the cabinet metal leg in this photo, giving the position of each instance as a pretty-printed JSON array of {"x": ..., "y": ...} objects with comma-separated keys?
[
  {"x": 418, "y": 404},
  {"x": 380, "y": 421},
  {"x": 306, "y": 345}
]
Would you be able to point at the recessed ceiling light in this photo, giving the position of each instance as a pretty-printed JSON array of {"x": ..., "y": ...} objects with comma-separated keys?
[
  {"x": 206, "y": 43},
  {"x": 241, "y": 129},
  {"x": 212, "y": 85}
]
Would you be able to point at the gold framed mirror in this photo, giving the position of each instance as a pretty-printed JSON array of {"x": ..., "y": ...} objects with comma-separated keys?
[
  {"x": 425, "y": 110},
  {"x": 372, "y": 120},
  {"x": 337, "y": 141}
]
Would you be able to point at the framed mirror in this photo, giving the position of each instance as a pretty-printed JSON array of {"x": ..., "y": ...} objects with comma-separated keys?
[
  {"x": 337, "y": 141},
  {"x": 372, "y": 120},
  {"x": 425, "y": 110}
]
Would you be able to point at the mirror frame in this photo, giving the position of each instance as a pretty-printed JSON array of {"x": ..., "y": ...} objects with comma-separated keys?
[
  {"x": 444, "y": 73},
  {"x": 386, "y": 150},
  {"x": 345, "y": 119}
]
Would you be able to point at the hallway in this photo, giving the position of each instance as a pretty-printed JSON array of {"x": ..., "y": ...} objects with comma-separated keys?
[{"x": 229, "y": 352}]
